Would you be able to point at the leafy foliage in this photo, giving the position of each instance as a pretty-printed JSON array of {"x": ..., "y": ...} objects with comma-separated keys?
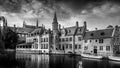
[{"x": 10, "y": 38}]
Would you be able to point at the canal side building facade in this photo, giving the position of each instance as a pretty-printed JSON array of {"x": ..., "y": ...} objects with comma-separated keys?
[
  {"x": 64, "y": 39},
  {"x": 98, "y": 41},
  {"x": 67, "y": 40}
]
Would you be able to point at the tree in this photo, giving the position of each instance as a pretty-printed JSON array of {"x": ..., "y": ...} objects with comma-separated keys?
[{"x": 10, "y": 39}]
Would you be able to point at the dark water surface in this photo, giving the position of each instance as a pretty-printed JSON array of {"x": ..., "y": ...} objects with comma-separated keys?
[{"x": 53, "y": 61}]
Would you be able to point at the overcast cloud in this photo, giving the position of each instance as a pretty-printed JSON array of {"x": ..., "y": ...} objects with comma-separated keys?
[{"x": 97, "y": 13}]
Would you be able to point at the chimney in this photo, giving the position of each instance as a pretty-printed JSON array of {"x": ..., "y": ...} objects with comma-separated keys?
[
  {"x": 14, "y": 25},
  {"x": 76, "y": 23},
  {"x": 96, "y": 28},
  {"x": 24, "y": 24},
  {"x": 63, "y": 27},
  {"x": 42, "y": 26},
  {"x": 59, "y": 26},
  {"x": 85, "y": 24}
]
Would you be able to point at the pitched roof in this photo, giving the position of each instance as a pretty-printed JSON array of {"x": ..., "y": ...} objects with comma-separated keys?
[
  {"x": 31, "y": 26},
  {"x": 70, "y": 30},
  {"x": 104, "y": 33},
  {"x": 26, "y": 44},
  {"x": 24, "y": 30},
  {"x": 38, "y": 30}
]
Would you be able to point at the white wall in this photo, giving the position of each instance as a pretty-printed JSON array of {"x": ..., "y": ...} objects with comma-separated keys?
[{"x": 90, "y": 45}]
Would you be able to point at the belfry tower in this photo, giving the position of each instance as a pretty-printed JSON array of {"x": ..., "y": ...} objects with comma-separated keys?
[
  {"x": 55, "y": 23},
  {"x": 55, "y": 34}
]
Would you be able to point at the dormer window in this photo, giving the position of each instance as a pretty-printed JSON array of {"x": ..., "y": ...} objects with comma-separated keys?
[
  {"x": 102, "y": 34},
  {"x": 79, "y": 30},
  {"x": 69, "y": 31},
  {"x": 37, "y": 33},
  {"x": 91, "y": 34}
]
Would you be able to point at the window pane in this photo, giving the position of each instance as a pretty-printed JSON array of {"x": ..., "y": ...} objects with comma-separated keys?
[
  {"x": 107, "y": 48},
  {"x": 101, "y": 47}
]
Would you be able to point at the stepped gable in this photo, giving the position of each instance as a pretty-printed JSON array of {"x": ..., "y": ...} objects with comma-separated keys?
[{"x": 103, "y": 33}]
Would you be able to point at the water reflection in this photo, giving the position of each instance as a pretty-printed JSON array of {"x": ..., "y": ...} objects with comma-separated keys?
[
  {"x": 33, "y": 61},
  {"x": 54, "y": 61},
  {"x": 47, "y": 61}
]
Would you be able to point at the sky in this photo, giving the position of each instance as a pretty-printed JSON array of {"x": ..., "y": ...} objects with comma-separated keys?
[{"x": 97, "y": 13}]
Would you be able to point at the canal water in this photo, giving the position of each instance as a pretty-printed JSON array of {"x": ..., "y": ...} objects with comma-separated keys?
[{"x": 53, "y": 61}]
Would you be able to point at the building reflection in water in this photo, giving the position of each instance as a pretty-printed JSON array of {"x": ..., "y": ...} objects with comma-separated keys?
[
  {"x": 114, "y": 64},
  {"x": 61, "y": 61},
  {"x": 48, "y": 61},
  {"x": 33, "y": 61}
]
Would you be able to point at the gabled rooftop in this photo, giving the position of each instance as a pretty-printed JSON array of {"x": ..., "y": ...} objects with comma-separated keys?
[{"x": 103, "y": 33}]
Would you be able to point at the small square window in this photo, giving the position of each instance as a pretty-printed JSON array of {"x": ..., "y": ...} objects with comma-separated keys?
[
  {"x": 85, "y": 41},
  {"x": 95, "y": 47}
]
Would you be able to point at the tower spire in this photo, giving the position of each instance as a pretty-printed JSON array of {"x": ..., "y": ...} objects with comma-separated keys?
[
  {"x": 55, "y": 18},
  {"x": 55, "y": 22}
]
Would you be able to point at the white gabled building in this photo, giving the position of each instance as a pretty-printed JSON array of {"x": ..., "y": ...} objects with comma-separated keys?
[
  {"x": 38, "y": 41},
  {"x": 99, "y": 41},
  {"x": 46, "y": 41}
]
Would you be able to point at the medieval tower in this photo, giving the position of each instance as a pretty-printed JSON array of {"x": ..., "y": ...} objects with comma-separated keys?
[{"x": 55, "y": 33}]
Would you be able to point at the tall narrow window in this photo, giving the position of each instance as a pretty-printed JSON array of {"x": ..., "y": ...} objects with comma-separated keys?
[
  {"x": 101, "y": 40},
  {"x": 46, "y": 46},
  {"x": 79, "y": 46},
  {"x": 70, "y": 46},
  {"x": 46, "y": 39},
  {"x": 66, "y": 39},
  {"x": 79, "y": 39},
  {"x": 101, "y": 47},
  {"x": 70, "y": 38},
  {"x": 66, "y": 46},
  {"x": 107, "y": 48},
  {"x": 75, "y": 46}
]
